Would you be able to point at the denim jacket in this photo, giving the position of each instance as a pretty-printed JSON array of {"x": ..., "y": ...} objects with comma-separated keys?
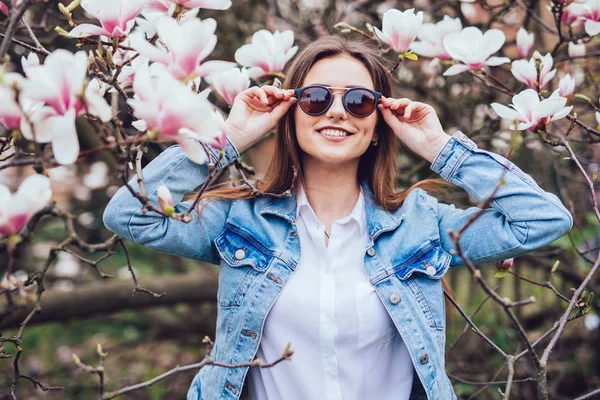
[{"x": 256, "y": 244}]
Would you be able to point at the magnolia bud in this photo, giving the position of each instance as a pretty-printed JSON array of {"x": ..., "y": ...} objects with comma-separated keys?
[
  {"x": 504, "y": 265},
  {"x": 165, "y": 201}
]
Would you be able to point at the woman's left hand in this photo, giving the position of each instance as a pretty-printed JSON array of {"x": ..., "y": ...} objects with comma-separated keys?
[{"x": 416, "y": 124}]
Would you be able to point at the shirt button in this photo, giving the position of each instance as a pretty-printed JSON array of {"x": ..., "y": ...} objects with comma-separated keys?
[
  {"x": 395, "y": 298},
  {"x": 431, "y": 270},
  {"x": 239, "y": 254},
  {"x": 371, "y": 251},
  {"x": 424, "y": 358}
]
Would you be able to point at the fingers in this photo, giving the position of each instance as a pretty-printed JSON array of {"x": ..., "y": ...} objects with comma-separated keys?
[
  {"x": 267, "y": 95},
  {"x": 402, "y": 107}
]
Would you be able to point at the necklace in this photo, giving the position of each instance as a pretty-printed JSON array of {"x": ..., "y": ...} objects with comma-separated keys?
[{"x": 324, "y": 231}]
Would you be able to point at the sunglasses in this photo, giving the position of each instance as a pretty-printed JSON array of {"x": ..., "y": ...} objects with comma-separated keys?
[{"x": 316, "y": 99}]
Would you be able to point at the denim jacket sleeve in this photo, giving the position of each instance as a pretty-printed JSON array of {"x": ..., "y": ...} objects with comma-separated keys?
[
  {"x": 123, "y": 214},
  {"x": 522, "y": 216}
]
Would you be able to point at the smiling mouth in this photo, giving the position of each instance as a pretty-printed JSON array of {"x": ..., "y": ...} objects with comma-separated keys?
[{"x": 333, "y": 132}]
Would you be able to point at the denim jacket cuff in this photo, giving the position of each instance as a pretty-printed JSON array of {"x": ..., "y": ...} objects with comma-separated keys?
[
  {"x": 452, "y": 155},
  {"x": 231, "y": 153}
]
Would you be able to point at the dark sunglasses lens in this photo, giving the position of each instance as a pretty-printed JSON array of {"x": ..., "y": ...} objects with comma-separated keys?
[
  {"x": 314, "y": 100},
  {"x": 360, "y": 102}
]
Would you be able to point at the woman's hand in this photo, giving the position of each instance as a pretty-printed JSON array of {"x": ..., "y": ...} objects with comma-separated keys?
[
  {"x": 255, "y": 112},
  {"x": 416, "y": 124}
]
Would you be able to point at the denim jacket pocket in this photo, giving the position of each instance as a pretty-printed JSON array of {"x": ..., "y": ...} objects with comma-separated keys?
[
  {"x": 422, "y": 273},
  {"x": 243, "y": 260},
  {"x": 429, "y": 260}
]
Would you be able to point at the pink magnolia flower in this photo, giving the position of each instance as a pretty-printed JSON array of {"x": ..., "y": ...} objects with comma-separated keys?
[
  {"x": 573, "y": 13},
  {"x": 399, "y": 28},
  {"x": 592, "y": 17},
  {"x": 165, "y": 200},
  {"x": 60, "y": 84},
  {"x": 169, "y": 110},
  {"x": 187, "y": 44},
  {"x": 31, "y": 61},
  {"x": 153, "y": 13},
  {"x": 17, "y": 209},
  {"x": 524, "y": 43},
  {"x": 267, "y": 53},
  {"x": 230, "y": 83},
  {"x": 132, "y": 64},
  {"x": 10, "y": 111},
  {"x": 532, "y": 113},
  {"x": 3, "y": 9},
  {"x": 10, "y": 106},
  {"x": 526, "y": 71},
  {"x": 117, "y": 17},
  {"x": 576, "y": 50},
  {"x": 167, "y": 7},
  {"x": 474, "y": 49},
  {"x": 566, "y": 86},
  {"x": 431, "y": 38}
]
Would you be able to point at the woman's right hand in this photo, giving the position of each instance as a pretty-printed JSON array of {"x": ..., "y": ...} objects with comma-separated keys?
[{"x": 255, "y": 112}]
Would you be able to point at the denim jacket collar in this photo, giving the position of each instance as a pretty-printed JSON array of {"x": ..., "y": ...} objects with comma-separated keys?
[{"x": 378, "y": 219}]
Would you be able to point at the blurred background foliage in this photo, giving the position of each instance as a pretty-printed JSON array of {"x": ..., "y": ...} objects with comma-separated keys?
[{"x": 144, "y": 340}]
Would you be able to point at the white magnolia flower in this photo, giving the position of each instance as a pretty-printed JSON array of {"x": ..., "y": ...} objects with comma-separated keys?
[
  {"x": 532, "y": 113},
  {"x": 59, "y": 83},
  {"x": 526, "y": 71},
  {"x": 31, "y": 61},
  {"x": 147, "y": 25},
  {"x": 17, "y": 209},
  {"x": 169, "y": 110},
  {"x": 592, "y": 17},
  {"x": 474, "y": 49},
  {"x": 524, "y": 43},
  {"x": 267, "y": 53},
  {"x": 117, "y": 17},
  {"x": 400, "y": 28},
  {"x": 566, "y": 86},
  {"x": 167, "y": 7},
  {"x": 573, "y": 14},
  {"x": 228, "y": 84},
  {"x": 431, "y": 38},
  {"x": 186, "y": 45}
]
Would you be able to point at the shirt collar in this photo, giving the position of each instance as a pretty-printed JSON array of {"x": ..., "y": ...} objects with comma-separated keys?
[{"x": 357, "y": 213}]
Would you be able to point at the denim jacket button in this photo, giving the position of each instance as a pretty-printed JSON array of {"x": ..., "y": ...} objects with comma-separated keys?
[
  {"x": 371, "y": 251},
  {"x": 395, "y": 298},
  {"x": 431, "y": 270},
  {"x": 239, "y": 254},
  {"x": 424, "y": 358}
]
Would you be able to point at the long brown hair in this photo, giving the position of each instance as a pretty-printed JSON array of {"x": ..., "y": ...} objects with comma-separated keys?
[{"x": 377, "y": 166}]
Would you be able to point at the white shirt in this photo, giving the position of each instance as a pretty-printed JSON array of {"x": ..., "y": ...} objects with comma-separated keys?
[{"x": 345, "y": 344}]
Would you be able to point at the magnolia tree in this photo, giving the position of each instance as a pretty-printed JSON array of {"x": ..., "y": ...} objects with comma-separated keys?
[{"x": 143, "y": 73}]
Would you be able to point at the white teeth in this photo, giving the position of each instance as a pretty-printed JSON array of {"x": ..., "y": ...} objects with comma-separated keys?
[{"x": 333, "y": 132}]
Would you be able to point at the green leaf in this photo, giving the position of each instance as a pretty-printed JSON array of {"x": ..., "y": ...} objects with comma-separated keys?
[
  {"x": 595, "y": 174},
  {"x": 566, "y": 158},
  {"x": 501, "y": 274},
  {"x": 411, "y": 56},
  {"x": 555, "y": 266}
]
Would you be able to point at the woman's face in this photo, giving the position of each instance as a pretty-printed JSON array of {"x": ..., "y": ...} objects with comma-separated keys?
[{"x": 338, "y": 71}]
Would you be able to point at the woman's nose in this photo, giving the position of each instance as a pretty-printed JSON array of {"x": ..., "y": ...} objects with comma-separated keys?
[{"x": 337, "y": 109}]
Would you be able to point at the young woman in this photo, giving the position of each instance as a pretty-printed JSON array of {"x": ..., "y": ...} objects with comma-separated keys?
[{"x": 347, "y": 269}]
